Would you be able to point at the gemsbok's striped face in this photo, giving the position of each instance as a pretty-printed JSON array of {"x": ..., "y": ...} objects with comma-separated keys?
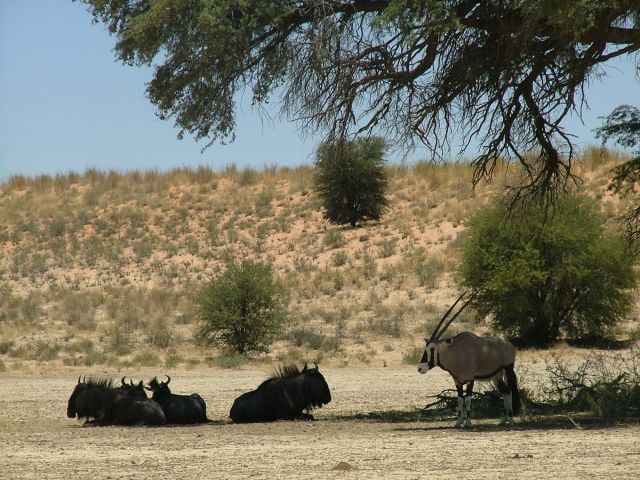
[{"x": 428, "y": 360}]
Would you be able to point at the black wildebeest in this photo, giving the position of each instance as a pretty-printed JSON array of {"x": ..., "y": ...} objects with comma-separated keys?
[
  {"x": 283, "y": 396},
  {"x": 178, "y": 408},
  {"x": 101, "y": 403}
]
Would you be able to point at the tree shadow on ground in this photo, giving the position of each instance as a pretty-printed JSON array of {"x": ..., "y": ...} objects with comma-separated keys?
[
  {"x": 598, "y": 342},
  {"x": 433, "y": 421}
]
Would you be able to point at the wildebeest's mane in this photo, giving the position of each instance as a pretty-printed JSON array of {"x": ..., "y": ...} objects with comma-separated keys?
[
  {"x": 101, "y": 383},
  {"x": 296, "y": 392},
  {"x": 286, "y": 371}
]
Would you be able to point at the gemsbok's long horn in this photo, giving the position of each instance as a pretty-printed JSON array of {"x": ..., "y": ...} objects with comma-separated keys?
[
  {"x": 464, "y": 305},
  {"x": 436, "y": 334}
]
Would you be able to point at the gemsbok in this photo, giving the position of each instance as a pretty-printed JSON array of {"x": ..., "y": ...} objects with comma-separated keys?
[{"x": 468, "y": 357}]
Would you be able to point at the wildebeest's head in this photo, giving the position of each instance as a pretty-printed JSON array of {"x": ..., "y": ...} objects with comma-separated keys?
[
  {"x": 134, "y": 390},
  {"x": 159, "y": 389},
  {"x": 88, "y": 397},
  {"x": 316, "y": 386},
  {"x": 72, "y": 407}
]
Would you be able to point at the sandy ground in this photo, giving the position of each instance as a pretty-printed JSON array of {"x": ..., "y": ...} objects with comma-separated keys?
[{"x": 37, "y": 440}]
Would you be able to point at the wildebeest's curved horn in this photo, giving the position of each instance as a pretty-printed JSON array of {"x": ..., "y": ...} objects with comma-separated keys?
[
  {"x": 168, "y": 380},
  {"x": 316, "y": 365},
  {"x": 304, "y": 369},
  {"x": 123, "y": 383},
  {"x": 79, "y": 376}
]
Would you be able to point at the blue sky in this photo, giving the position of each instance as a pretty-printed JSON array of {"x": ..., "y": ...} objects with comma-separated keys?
[{"x": 67, "y": 104}]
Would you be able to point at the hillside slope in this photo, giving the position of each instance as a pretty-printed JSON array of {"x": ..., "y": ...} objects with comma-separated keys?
[{"x": 100, "y": 267}]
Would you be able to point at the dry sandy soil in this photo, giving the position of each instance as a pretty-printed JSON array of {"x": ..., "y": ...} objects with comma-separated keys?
[{"x": 38, "y": 441}]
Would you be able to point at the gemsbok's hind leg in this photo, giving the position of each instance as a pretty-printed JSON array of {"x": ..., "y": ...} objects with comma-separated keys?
[
  {"x": 507, "y": 418},
  {"x": 461, "y": 410},
  {"x": 467, "y": 404}
]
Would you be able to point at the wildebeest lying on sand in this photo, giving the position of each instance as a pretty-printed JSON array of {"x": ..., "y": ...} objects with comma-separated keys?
[
  {"x": 283, "y": 397},
  {"x": 178, "y": 408},
  {"x": 101, "y": 403}
]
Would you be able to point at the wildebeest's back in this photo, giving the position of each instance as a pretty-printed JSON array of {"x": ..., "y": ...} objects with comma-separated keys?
[
  {"x": 271, "y": 401},
  {"x": 184, "y": 408},
  {"x": 250, "y": 407},
  {"x": 138, "y": 412}
]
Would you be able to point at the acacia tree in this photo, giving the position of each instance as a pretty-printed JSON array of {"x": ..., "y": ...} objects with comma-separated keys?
[
  {"x": 351, "y": 179},
  {"x": 542, "y": 276},
  {"x": 623, "y": 125},
  {"x": 503, "y": 72},
  {"x": 242, "y": 307}
]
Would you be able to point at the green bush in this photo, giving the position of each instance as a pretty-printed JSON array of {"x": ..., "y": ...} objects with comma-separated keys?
[
  {"x": 544, "y": 275},
  {"x": 351, "y": 179},
  {"x": 241, "y": 308},
  {"x": 228, "y": 360},
  {"x": 413, "y": 356}
]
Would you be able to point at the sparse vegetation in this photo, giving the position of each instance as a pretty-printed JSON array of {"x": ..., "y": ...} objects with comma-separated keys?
[
  {"x": 119, "y": 279},
  {"x": 605, "y": 385}
]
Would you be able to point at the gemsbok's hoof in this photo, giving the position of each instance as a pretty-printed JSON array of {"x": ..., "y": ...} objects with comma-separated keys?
[{"x": 506, "y": 421}]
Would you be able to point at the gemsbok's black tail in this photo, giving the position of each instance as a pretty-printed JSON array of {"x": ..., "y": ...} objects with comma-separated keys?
[{"x": 512, "y": 383}]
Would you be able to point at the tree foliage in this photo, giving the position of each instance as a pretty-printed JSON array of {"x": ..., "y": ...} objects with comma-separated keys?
[
  {"x": 505, "y": 73},
  {"x": 241, "y": 308},
  {"x": 623, "y": 125},
  {"x": 351, "y": 179},
  {"x": 541, "y": 277}
]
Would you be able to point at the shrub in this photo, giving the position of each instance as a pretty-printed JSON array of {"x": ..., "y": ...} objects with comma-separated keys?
[
  {"x": 160, "y": 334},
  {"x": 119, "y": 340},
  {"x": 413, "y": 356},
  {"x": 147, "y": 359},
  {"x": 242, "y": 307},
  {"x": 44, "y": 352},
  {"x": 228, "y": 360},
  {"x": 427, "y": 268},
  {"x": 316, "y": 341},
  {"x": 604, "y": 384},
  {"x": 351, "y": 179},
  {"x": 340, "y": 258},
  {"x": 545, "y": 275},
  {"x": 5, "y": 347}
]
